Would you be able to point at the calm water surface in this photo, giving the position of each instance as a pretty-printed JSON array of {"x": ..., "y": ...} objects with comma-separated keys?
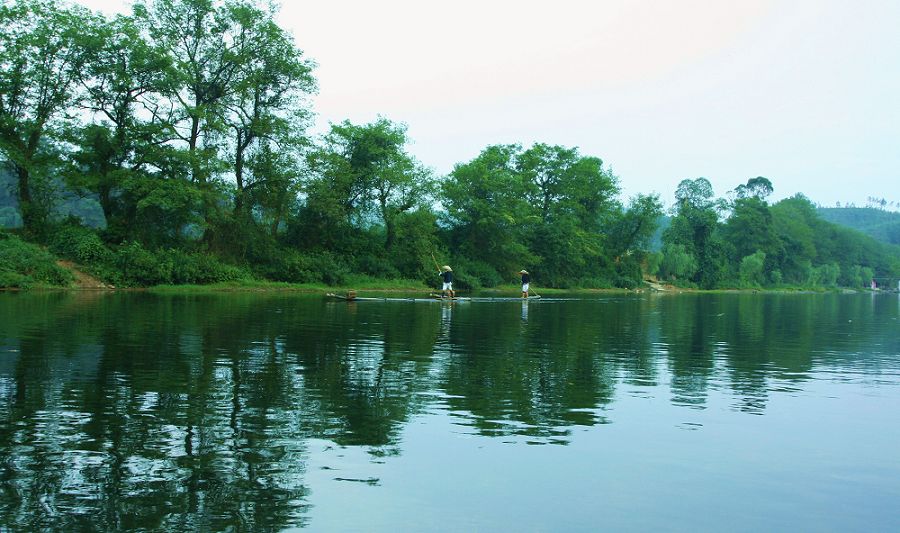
[{"x": 274, "y": 412}]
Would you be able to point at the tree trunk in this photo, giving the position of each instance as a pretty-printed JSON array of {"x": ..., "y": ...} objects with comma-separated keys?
[
  {"x": 239, "y": 182},
  {"x": 390, "y": 230},
  {"x": 30, "y": 218},
  {"x": 106, "y": 202}
]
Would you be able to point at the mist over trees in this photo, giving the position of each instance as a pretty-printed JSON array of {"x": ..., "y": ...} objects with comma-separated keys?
[{"x": 179, "y": 134}]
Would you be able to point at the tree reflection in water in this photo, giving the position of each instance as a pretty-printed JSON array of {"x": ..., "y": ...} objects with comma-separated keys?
[{"x": 124, "y": 411}]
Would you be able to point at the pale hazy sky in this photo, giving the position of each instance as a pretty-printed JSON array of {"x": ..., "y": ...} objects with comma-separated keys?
[{"x": 804, "y": 92}]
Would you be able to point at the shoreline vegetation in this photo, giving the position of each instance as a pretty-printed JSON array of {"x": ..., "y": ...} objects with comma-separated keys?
[
  {"x": 169, "y": 147},
  {"x": 72, "y": 278}
]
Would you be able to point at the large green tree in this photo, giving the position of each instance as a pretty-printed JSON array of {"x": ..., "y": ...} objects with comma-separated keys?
[
  {"x": 127, "y": 139},
  {"x": 199, "y": 37},
  {"x": 794, "y": 220},
  {"x": 695, "y": 227},
  {"x": 364, "y": 179},
  {"x": 570, "y": 194},
  {"x": 750, "y": 228},
  {"x": 266, "y": 112},
  {"x": 627, "y": 234},
  {"x": 541, "y": 207},
  {"x": 485, "y": 205},
  {"x": 40, "y": 56}
]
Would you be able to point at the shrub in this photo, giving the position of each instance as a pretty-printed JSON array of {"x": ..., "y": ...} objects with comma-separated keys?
[
  {"x": 198, "y": 269},
  {"x": 776, "y": 277},
  {"x": 142, "y": 267},
  {"x": 14, "y": 280},
  {"x": 377, "y": 267},
  {"x": 628, "y": 274},
  {"x": 600, "y": 283},
  {"x": 677, "y": 262},
  {"x": 81, "y": 245},
  {"x": 23, "y": 264},
  {"x": 139, "y": 266},
  {"x": 753, "y": 269},
  {"x": 293, "y": 267},
  {"x": 827, "y": 274},
  {"x": 474, "y": 274},
  {"x": 626, "y": 282}
]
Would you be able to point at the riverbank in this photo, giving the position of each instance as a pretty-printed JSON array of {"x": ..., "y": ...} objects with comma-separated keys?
[
  {"x": 29, "y": 266},
  {"x": 379, "y": 287}
]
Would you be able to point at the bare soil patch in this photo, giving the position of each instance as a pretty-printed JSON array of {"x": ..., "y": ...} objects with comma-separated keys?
[{"x": 82, "y": 280}]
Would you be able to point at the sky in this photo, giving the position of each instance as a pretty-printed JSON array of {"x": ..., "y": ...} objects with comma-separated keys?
[{"x": 803, "y": 92}]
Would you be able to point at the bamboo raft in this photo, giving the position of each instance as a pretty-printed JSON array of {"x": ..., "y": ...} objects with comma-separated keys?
[{"x": 351, "y": 297}]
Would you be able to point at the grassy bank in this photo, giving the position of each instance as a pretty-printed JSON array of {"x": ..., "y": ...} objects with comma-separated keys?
[
  {"x": 26, "y": 266},
  {"x": 77, "y": 258},
  {"x": 359, "y": 283}
]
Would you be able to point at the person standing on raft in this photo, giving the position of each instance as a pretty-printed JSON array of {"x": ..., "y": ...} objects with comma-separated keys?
[
  {"x": 447, "y": 276},
  {"x": 526, "y": 280}
]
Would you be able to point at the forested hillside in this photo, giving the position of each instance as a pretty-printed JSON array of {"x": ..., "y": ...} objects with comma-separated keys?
[
  {"x": 713, "y": 242},
  {"x": 877, "y": 223},
  {"x": 171, "y": 146}
]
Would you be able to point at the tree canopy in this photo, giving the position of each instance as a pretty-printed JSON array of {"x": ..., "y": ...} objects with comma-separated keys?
[{"x": 171, "y": 144}]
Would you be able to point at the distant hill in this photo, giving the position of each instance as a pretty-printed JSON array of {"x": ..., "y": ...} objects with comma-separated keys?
[
  {"x": 877, "y": 223},
  {"x": 663, "y": 222},
  {"x": 9, "y": 215},
  {"x": 67, "y": 203}
]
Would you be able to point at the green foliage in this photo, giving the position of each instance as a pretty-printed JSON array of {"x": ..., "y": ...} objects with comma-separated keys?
[
  {"x": 180, "y": 130},
  {"x": 758, "y": 188},
  {"x": 776, "y": 277},
  {"x": 469, "y": 274},
  {"x": 877, "y": 223},
  {"x": 416, "y": 240},
  {"x": 486, "y": 210},
  {"x": 677, "y": 263},
  {"x": 631, "y": 230},
  {"x": 856, "y": 276},
  {"x": 824, "y": 275},
  {"x": 141, "y": 267},
  {"x": 10, "y": 218},
  {"x": 364, "y": 176},
  {"x": 652, "y": 263},
  {"x": 295, "y": 267},
  {"x": 753, "y": 270},
  {"x": 81, "y": 245},
  {"x": 695, "y": 226},
  {"x": 542, "y": 208},
  {"x": 134, "y": 265},
  {"x": 750, "y": 228},
  {"x": 24, "y": 265},
  {"x": 41, "y": 58}
]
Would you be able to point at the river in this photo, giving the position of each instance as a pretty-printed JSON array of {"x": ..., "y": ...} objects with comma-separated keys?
[{"x": 273, "y": 411}]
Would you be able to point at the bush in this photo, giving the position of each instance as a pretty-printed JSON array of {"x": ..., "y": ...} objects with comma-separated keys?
[
  {"x": 752, "y": 269},
  {"x": 776, "y": 277},
  {"x": 23, "y": 265},
  {"x": 139, "y": 266},
  {"x": 628, "y": 273},
  {"x": 824, "y": 275},
  {"x": 600, "y": 283},
  {"x": 293, "y": 267},
  {"x": 14, "y": 280},
  {"x": 652, "y": 262},
  {"x": 81, "y": 245},
  {"x": 473, "y": 275},
  {"x": 199, "y": 269},
  {"x": 376, "y": 267},
  {"x": 626, "y": 282},
  {"x": 677, "y": 263}
]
